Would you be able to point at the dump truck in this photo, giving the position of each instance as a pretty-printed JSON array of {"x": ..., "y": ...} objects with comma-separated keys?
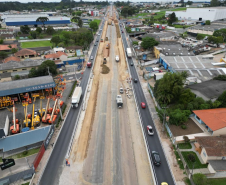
[
  {"x": 119, "y": 101},
  {"x": 106, "y": 39},
  {"x": 105, "y": 61},
  {"x": 129, "y": 52},
  {"x": 76, "y": 97}
]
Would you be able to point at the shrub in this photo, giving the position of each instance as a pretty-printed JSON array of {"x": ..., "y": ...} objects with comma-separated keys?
[
  {"x": 199, "y": 179},
  {"x": 183, "y": 126},
  {"x": 25, "y": 152},
  {"x": 200, "y": 36},
  {"x": 186, "y": 139},
  {"x": 207, "y": 22},
  {"x": 191, "y": 157}
]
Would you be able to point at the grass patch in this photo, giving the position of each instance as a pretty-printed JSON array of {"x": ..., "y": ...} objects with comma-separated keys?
[
  {"x": 221, "y": 181},
  {"x": 178, "y": 9},
  {"x": 34, "y": 44},
  {"x": 182, "y": 26},
  {"x": 187, "y": 181},
  {"x": 180, "y": 163},
  {"x": 105, "y": 69},
  {"x": 184, "y": 146},
  {"x": 197, "y": 163},
  {"x": 97, "y": 21}
]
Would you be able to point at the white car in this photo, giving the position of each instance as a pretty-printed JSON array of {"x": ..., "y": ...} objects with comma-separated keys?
[
  {"x": 150, "y": 130},
  {"x": 98, "y": 34}
]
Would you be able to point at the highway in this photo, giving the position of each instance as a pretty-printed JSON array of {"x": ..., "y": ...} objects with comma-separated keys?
[
  {"x": 56, "y": 161},
  {"x": 162, "y": 173}
]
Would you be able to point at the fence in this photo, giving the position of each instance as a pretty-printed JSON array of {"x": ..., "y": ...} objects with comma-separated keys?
[{"x": 39, "y": 156}]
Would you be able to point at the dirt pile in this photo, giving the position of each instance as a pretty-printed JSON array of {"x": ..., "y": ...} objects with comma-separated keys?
[{"x": 105, "y": 69}]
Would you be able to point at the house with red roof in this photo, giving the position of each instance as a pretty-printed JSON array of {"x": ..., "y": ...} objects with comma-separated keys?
[
  {"x": 11, "y": 58},
  {"x": 7, "y": 47},
  {"x": 56, "y": 56},
  {"x": 214, "y": 120}
]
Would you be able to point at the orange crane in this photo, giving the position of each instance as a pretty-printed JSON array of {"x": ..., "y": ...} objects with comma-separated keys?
[
  {"x": 53, "y": 117},
  {"x": 46, "y": 116},
  {"x": 15, "y": 128}
]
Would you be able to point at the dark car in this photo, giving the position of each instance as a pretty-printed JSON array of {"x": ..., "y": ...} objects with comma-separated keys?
[
  {"x": 156, "y": 158},
  {"x": 131, "y": 63},
  {"x": 95, "y": 44},
  {"x": 135, "y": 80},
  {"x": 97, "y": 41}
]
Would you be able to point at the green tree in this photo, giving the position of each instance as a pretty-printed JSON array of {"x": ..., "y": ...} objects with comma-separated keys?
[
  {"x": 189, "y": 2},
  {"x": 214, "y": 3},
  {"x": 43, "y": 20},
  {"x": 222, "y": 99},
  {"x": 186, "y": 97},
  {"x": 38, "y": 30},
  {"x": 221, "y": 32},
  {"x": 1, "y": 41},
  {"x": 3, "y": 54},
  {"x": 33, "y": 73},
  {"x": 135, "y": 43},
  {"x": 93, "y": 25},
  {"x": 220, "y": 77},
  {"x": 78, "y": 13},
  {"x": 80, "y": 23},
  {"x": 178, "y": 116},
  {"x": 172, "y": 18},
  {"x": 148, "y": 43},
  {"x": 199, "y": 179},
  {"x": 16, "y": 77},
  {"x": 55, "y": 40},
  {"x": 128, "y": 29},
  {"x": 200, "y": 36},
  {"x": 25, "y": 29},
  {"x": 50, "y": 30},
  {"x": 33, "y": 34},
  {"x": 207, "y": 22},
  {"x": 75, "y": 19},
  {"x": 14, "y": 50},
  {"x": 215, "y": 40}
]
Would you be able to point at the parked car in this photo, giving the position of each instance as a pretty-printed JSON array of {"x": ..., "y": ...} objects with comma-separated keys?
[
  {"x": 143, "y": 106},
  {"x": 156, "y": 158},
  {"x": 150, "y": 130}
]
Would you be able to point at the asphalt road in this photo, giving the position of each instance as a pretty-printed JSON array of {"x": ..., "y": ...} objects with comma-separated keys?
[
  {"x": 162, "y": 173},
  {"x": 56, "y": 161}
]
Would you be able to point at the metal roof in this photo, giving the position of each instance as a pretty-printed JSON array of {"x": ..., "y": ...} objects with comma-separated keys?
[
  {"x": 26, "y": 85},
  {"x": 24, "y": 139}
]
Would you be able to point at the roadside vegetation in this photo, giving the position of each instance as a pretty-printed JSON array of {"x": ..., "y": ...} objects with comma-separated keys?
[
  {"x": 196, "y": 163},
  {"x": 184, "y": 145}
]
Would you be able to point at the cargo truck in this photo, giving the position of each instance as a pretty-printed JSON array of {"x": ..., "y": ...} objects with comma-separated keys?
[
  {"x": 76, "y": 97},
  {"x": 129, "y": 52},
  {"x": 89, "y": 64},
  {"x": 119, "y": 101}
]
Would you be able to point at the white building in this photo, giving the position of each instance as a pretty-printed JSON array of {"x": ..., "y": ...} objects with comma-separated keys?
[{"x": 211, "y": 13}]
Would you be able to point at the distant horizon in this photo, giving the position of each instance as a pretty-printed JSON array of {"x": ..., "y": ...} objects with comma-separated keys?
[{"x": 57, "y": 1}]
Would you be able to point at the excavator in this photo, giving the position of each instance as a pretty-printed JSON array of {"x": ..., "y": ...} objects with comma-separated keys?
[
  {"x": 53, "y": 117},
  {"x": 27, "y": 121},
  {"x": 46, "y": 116},
  {"x": 35, "y": 113},
  {"x": 15, "y": 128}
]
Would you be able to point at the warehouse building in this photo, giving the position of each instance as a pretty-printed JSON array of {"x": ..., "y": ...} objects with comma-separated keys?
[
  {"x": 30, "y": 20},
  {"x": 210, "y": 13}
]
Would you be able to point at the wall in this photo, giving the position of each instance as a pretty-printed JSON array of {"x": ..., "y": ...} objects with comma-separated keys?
[
  {"x": 19, "y": 69},
  {"x": 219, "y": 132},
  {"x": 204, "y": 155}
]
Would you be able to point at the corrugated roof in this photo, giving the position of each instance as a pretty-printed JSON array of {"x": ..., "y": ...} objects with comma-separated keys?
[
  {"x": 26, "y": 85},
  {"x": 213, "y": 118},
  {"x": 24, "y": 139}
]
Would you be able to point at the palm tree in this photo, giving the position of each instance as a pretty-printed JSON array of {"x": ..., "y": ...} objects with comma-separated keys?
[{"x": 43, "y": 20}]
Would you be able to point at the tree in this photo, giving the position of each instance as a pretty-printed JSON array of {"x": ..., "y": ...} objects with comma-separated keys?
[
  {"x": 55, "y": 40},
  {"x": 93, "y": 25},
  {"x": 25, "y": 29},
  {"x": 75, "y": 19},
  {"x": 135, "y": 43},
  {"x": 186, "y": 139},
  {"x": 50, "y": 30},
  {"x": 199, "y": 179},
  {"x": 33, "y": 34},
  {"x": 172, "y": 18},
  {"x": 220, "y": 77},
  {"x": 186, "y": 97},
  {"x": 38, "y": 30},
  {"x": 200, "y": 36},
  {"x": 80, "y": 23},
  {"x": 3, "y": 54},
  {"x": 214, "y": 3},
  {"x": 16, "y": 77},
  {"x": 221, "y": 32},
  {"x": 189, "y": 2},
  {"x": 215, "y": 40},
  {"x": 1, "y": 41},
  {"x": 32, "y": 73},
  {"x": 191, "y": 157},
  {"x": 207, "y": 22},
  {"x": 178, "y": 116},
  {"x": 222, "y": 99},
  {"x": 77, "y": 13},
  {"x": 148, "y": 43},
  {"x": 128, "y": 29},
  {"x": 43, "y": 20},
  {"x": 14, "y": 50}
]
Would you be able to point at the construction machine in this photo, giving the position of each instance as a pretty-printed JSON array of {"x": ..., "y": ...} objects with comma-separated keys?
[
  {"x": 15, "y": 128},
  {"x": 35, "y": 117},
  {"x": 41, "y": 110},
  {"x": 46, "y": 116},
  {"x": 27, "y": 121},
  {"x": 53, "y": 117}
]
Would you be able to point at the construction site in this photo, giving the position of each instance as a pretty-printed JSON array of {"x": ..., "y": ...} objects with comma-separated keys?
[{"x": 108, "y": 147}]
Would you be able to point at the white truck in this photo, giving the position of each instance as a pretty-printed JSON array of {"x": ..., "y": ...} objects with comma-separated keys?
[
  {"x": 117, "y": 58},
  {"x": 119, "y": 101},
  {"x": 76, "y": 97},
  {"x": 129, "y": 52}
]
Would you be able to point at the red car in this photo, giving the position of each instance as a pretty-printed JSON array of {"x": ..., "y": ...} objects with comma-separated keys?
[
  {"x": 122, "y": 31},
  {"x": 143, "y": 105}
]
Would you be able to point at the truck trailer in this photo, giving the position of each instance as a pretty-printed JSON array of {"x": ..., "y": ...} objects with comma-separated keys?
[
  {"x": 129, "y": 52},
  {"x": 76, "y": 97},
  {"x": 119, "y": 101}
]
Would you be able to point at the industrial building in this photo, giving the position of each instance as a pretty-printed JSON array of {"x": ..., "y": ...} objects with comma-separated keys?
[
  {"x": 210, "y": 13},
  {"x": 30, "y": 20}
]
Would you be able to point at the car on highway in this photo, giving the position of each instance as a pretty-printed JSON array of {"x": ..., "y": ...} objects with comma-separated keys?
[
  {"x": 131, "y": 63},
  {"x": 135, "y": 80},
  {"x": 122, "y": 32},
  {"x": 91, "y": 57},
  {"x": 150, "y": 130},
  {"x": 95, "y": 44},
  {"x": 156, "y": 158},
  {"x": 98, "y": 34},
  {"x": 97, "y": 40},
  {"x": 143, "y": 106},
  {"x": 100, "y": 29}
]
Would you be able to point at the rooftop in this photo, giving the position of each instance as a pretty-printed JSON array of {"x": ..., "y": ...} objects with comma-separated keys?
[
  {"x": 24, "y": 52},
  {"x": 212, "y": 27},
  {"x": 214, "y": 145},
  {"x": 11, "y": 58},
  {"x": 211, "y": 88},
  {"x": 26, "y": 85},
  {"x": 160, "y": 35},
  {"x": 6, "y": 47},
  {"x": 55, "y": 55},
  {"x": 24, "y": 139},
  {"x": 213, "y": 118}
]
